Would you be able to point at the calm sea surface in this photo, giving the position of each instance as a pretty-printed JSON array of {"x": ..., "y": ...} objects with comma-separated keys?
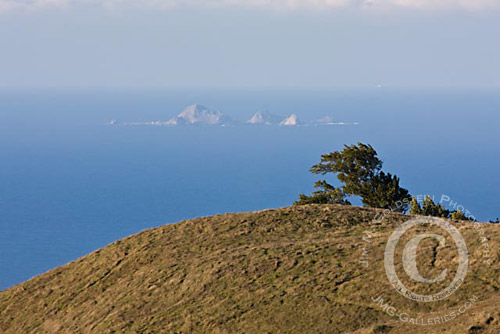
[{"x": 70, "y": 184}]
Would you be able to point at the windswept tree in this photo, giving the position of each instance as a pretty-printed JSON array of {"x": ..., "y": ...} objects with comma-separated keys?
[
  {"x": 359, "y": 170},
  {"x": 326, "y": 194}
]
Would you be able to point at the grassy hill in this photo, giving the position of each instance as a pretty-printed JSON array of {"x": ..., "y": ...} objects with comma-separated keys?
[{"x": 290, "y": 270}]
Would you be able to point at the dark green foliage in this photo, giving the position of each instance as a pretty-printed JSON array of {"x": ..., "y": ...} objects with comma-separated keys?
[
  {"x": 495, "y": 221},
  {"x": 430, "y": 208},
  {"x": 415, "y": 208},
  {"x": 458, "y": 215},
  {"x": 327, "y": 194},
  {"x": 360, "y": 171},
  {"x": 386, "y": 193},
  {"x": 355, "y": 166}
]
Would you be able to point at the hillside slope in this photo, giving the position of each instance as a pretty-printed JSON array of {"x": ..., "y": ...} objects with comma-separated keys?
[{"x": 290, "y": 270}]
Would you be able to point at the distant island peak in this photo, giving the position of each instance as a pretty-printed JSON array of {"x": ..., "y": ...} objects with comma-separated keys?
[{"x": 197, "y": 114}]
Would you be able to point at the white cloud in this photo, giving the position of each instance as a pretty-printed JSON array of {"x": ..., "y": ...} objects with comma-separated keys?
[
  {"x": 434, "y": 4},
  {"x": 275, "y": 4},
  {"x": 30, "y": 4}
]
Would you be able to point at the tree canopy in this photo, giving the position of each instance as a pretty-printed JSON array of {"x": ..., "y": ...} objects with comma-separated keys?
[
  {"x": 359, "y": 170},
  {"x": 327, "y": 194}
]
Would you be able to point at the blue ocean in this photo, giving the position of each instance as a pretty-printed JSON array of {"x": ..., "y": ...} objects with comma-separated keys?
[{"x": 70, "y": 183}]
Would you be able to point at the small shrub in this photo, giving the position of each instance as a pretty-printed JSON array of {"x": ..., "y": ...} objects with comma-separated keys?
[
  {"x": 458, "y": 215},
  {"x": 432, "y": 209}
]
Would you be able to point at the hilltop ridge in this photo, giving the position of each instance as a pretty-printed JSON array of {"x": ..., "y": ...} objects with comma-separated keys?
[{"x": 289, "y": 270}]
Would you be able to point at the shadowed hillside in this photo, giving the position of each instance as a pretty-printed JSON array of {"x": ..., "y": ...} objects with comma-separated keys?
[{"x": 290, "y": 270}]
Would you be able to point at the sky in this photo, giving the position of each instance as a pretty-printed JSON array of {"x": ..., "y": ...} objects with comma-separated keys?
[{"x": 249, "y": 43}]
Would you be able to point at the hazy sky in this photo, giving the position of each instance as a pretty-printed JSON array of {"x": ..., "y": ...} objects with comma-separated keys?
[{"x": 249, "y": 43}]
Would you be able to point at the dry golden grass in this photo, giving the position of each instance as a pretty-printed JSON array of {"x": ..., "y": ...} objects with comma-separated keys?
[{"x": 290, "y": 270}]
